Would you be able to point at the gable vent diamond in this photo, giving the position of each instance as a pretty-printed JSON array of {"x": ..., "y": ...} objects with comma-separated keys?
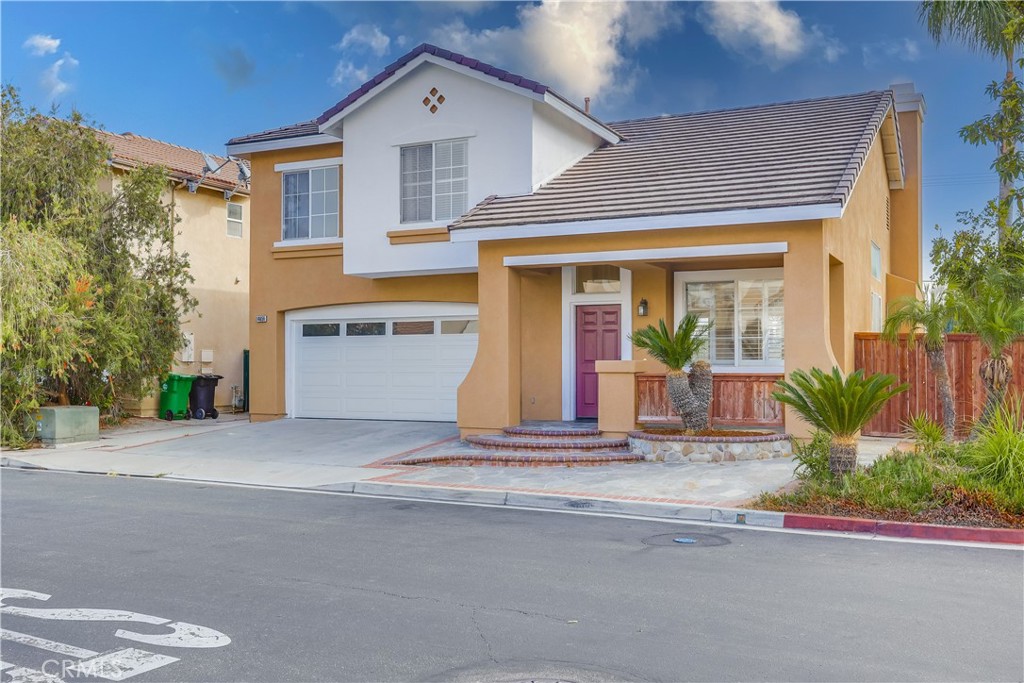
[{"x": 434, "y": 100}]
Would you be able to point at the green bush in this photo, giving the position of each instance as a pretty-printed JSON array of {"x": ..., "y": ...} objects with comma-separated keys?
[
  {"x": 926, "y": 433},
  {"x": 998, "y": 452},
  {"x": 812, "y": 457}
]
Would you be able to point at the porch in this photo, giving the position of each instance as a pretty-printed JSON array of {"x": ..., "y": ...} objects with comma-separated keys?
[{"x": 555, "y": 328}]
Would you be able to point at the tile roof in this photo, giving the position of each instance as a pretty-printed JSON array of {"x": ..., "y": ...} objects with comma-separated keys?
[
  {"x": 296, "y": 130},
  {"x": 779, "y": 155},
  {"x": 474, "y": 64},
  {"x": 131, "y": 150}
]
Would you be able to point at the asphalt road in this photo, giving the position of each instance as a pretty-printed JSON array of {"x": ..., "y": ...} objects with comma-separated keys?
[{"x": 337, "y": 588}]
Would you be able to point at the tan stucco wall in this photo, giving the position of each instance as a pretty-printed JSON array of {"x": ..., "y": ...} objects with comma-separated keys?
[
  {"x": 541, "y": 305},
  {"x": 848, "y": 240},
  {"x": 220, "y": 265},
  {"x": 285, "y": 279},
  {"x": 906, "y": 203}
]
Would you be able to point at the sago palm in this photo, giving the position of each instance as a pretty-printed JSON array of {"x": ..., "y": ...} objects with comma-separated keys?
[
  {"x": 837, "y": 405},
  {"x": 691, "y": 393},
  {"x": 931, "y": 317},
  {"x": 998, "y": 320}
]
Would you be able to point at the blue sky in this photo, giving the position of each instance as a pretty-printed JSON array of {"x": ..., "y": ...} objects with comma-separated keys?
[{"x": 197, "y": 73}]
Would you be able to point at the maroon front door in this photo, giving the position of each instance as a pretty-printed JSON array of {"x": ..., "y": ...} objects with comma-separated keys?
[{"x": 598, "y": 337}]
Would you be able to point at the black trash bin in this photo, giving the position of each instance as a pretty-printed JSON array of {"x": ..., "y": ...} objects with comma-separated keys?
[{"x": 200, "y": 398}]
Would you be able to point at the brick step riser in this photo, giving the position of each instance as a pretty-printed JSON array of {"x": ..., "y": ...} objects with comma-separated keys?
[
  {"x": 550, "y": 446},
  {"x": 554, "y": 435}
]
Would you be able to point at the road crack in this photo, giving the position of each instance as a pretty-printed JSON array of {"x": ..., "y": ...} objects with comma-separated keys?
[{"x": 479, "y": 630}]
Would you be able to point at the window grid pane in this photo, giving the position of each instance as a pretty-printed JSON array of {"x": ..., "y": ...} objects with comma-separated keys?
[
  {"x": 748, "y": 320},
  {"x": 452, "y": 169},
  {"x": 417, "y": 180},
  {"x": 310, "y": 204}
]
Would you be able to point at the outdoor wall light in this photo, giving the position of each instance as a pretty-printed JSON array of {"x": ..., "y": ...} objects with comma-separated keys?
[{"x": 641, "y": 309}]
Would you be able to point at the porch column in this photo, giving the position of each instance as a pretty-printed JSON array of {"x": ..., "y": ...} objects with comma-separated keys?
[
  {"x": 617, "y": 397},
  {"x": 489, "y": 397}
]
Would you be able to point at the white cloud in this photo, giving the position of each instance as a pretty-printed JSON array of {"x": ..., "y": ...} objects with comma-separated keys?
[
  {"x": 348, "y": 75},
  {"x": 52, "y": 79},
  {"x": 40, "y": 45},
  {"x": 901, "y": 50},
  {"x": 578, "y": 48},
  {"x": 765, "y": 32},
  {"x": 366, "y": 36}
]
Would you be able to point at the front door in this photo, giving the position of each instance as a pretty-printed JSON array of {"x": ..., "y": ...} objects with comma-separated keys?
[{"x": 598, "y": 337}]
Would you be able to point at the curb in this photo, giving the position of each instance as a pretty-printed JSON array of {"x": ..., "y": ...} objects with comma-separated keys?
[{"x": 636, "y": 508}]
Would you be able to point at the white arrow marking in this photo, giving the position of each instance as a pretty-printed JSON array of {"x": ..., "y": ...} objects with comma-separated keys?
[
  {"x": 121, "y": 664},
  {"x": 184, "y": 635}
]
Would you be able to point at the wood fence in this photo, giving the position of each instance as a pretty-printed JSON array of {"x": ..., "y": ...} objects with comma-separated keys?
[
  {"x": 964, "y": 354},
  {"x": 739, "y": 400}
]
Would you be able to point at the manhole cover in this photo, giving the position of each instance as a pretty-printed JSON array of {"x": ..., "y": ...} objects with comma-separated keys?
[{"x": 685, "y": 539}]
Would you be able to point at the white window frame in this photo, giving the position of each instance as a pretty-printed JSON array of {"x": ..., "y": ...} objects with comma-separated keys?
[
  {"x": 308, "y": 167},
  {"x": 239, "y": 221},
  {"x": 877, "y": 312},
  {"x": 738, "y": 366},
  {"x": 876, "y": 260},
  {"x": 433, "y": 182}
]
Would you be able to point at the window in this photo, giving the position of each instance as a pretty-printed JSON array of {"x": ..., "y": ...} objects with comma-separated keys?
[
  {"x": 460, "y": 327},
  {"x": 234, "y": 220},
  {"x": 435, "y": 185},
  {"x": 597, "y": 279},
  {"x": 310, "y": 200},
  {"x": 321, "y": 330},
  {"x": 876, "y": 312},
  {"x": 366, "y": 329},
  {"x": 876, "y": 261},
  {"x": 747, "y": 315},
  {"x": 407, "y": 327}
]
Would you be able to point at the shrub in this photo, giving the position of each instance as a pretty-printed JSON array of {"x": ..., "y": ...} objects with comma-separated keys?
[
  {"x": 998, "y": 452},
  {"x": 812, "y": 457},
  {"x": 926, "y": 433}
]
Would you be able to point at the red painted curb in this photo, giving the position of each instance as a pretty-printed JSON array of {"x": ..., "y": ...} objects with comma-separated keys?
[{"x": 904, "y": 529}]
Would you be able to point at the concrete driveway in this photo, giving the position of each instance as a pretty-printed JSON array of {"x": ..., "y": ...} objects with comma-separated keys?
[{"x": 347, "y": 443}]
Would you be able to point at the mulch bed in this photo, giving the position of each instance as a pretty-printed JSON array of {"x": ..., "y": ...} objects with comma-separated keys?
[{"x": 956, "y": 507}]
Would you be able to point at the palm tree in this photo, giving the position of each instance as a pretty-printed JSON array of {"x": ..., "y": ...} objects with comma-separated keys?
[
  {"x": 932, "y": 316},
  {"x": 838, "y": 406},
  {"x": 981, "y": 25},
  {"x": 998, "y": 320},
  {"x": 691, "y": 393}
]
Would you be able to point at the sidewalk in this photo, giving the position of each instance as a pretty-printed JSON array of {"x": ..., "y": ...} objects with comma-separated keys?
[{"x": 306, "y": 455}]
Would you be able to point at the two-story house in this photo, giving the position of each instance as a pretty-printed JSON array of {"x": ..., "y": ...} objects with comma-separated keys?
[
  {"x": 212, "y": 206},
  {"x": 454, "y": 242}
]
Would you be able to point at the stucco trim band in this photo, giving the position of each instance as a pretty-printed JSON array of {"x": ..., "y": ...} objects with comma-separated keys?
[
  {"x": 577, "y": 258},
  {"x": 418, "y": 235}
]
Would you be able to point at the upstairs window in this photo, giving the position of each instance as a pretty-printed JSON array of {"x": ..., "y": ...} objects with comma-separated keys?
[
  {"x": 234, "y": 220},
  {"x": 310, "y": 204},
  {"x": 876, "y": 261},
  {"x": 435, "y": 181}
]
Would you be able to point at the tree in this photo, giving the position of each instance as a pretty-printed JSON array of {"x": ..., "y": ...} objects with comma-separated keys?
[
  {"x": 998, "y": 320},
  {"x": 691, "y": 393},
  {"x": 93, "y": 288},
  {"x": 838, "y": 406},
  {"x": 992, "y": 27},
  {"x": 931, "y": 316}
]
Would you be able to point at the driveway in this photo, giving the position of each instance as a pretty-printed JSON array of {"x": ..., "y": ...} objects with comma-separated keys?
[{"x": 346, "y": 443}]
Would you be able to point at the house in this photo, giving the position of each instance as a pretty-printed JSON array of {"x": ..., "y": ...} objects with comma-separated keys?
[
  {"x": 213, "y": 208},
  {"x": 455, "y": 242}
]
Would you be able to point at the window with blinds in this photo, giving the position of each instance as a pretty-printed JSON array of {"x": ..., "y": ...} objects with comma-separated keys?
[
  {"x": 746, "y": 319},
  {"x": 435, "y": 181}
]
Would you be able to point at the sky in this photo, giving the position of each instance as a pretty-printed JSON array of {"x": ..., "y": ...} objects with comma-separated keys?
[{"x": 199, "y": 73}]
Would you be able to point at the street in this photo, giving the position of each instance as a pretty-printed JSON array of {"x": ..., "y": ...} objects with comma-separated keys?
[{"x": 212, "y": 583}]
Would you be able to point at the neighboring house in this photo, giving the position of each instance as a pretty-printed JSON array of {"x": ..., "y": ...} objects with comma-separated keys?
[
  {"x": 452, "y": 241},
  {"x": 214, "y": 231}
]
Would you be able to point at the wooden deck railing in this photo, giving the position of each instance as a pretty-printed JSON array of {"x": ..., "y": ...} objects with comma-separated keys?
[{"x": 739, "y": 400}]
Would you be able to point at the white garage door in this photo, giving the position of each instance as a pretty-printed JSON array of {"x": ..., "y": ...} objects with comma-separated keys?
[{"x": 376, "y": 368}]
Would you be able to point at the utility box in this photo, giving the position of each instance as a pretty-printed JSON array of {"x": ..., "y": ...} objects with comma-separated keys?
[{"x": 56, "y": 425}]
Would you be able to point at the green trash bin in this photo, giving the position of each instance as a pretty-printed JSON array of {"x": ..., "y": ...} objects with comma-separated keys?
[{"x": 174, "y": 392}]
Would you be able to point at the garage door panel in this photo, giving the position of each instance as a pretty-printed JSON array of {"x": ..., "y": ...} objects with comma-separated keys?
[{"x": 387, "y": 377}]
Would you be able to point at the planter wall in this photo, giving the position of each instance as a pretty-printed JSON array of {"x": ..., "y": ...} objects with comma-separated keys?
[{"x": 667, "y": 448}]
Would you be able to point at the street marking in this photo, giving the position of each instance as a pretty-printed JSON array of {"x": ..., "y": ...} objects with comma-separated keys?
[
  {"x": 121, "y": 664},
  {"x": 48, "y": 645},
  {"x": 20, "y": 674},
  {"x": 5, "y": 665},
  {"x": 182, "y": 633}
]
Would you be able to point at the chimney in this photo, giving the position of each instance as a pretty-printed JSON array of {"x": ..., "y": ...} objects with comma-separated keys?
[
  {"x": 586, "y": 105},
  {"x": 905, "y": 212}
]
